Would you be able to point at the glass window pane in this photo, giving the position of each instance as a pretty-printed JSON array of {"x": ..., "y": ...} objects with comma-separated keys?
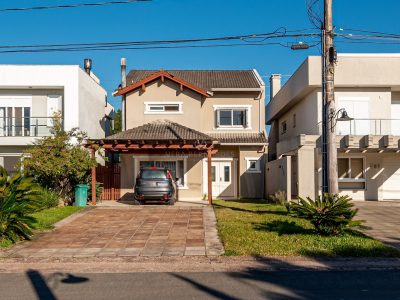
[
  {"x": 225, "y": 117},
  {"x": 253, "y": 164},
  {"x": 10, "y": 163},
  {"x": 2, "y": 121},
  {"x": 27, "y": 120},
  {"x": 18, "y": 121},
  {"x": 10, "y": 121},
  {"x": 156, "y": 108},
  {"x": 357, "y": 168},
  {"x": 174, "y": 107},
  {"x": 239, "y": 117},
  {"x": 227, "y": 174},
  {"x": 213, "y": 174},
  {"x": 180, "y": 173},
  {"x": 343, "y": 167}
]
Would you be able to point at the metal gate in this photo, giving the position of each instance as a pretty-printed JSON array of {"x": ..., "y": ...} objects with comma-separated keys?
[{"x": 110, "y": 177}]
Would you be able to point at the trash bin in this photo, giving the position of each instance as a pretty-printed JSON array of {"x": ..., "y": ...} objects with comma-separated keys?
[{"x": 81, "y": 193}]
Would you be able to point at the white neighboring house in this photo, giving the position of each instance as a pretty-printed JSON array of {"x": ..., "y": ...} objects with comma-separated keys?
[
  {"x": 367, "y": 86},
  {"x": 29, "y": 96}
]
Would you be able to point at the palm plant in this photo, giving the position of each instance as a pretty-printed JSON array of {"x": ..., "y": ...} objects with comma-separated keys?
[
  {"x": 19, "y": 197},
  {"x": 330, "y": 214}
]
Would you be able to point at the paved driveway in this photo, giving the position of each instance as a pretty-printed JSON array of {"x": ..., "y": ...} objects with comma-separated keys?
[
  {"x": 383, "y": 218},
  {"x": 130, "y": 231}
]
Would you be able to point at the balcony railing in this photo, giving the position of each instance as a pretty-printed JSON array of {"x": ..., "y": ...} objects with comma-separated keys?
[
  {"x": 366, "y": 127},
  {"x": 29, "y": 127},
  {"x": 369, "y": 127}
]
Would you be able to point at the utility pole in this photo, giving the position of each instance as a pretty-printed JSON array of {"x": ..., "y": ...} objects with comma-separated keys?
[{"x": 329, "y": 150}]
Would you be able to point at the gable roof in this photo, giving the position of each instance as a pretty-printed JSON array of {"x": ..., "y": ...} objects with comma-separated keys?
[
  {"x": 205, "y": 80},
  {"x": 162, "y": 130},
  {"x": 160, "y": 74}
]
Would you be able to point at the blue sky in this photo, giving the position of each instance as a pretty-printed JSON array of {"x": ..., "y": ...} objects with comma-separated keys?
[{"x": 182, "y": 19}]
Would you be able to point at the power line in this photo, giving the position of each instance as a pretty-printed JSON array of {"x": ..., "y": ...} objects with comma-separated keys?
[
  {"x": 249, "y": 39},
  {"x": 14, "y": 9},
  {"x": 44, "y": 50}
]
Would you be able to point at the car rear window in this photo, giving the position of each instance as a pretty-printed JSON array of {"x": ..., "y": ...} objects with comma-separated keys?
[{"x": 154, "y": 174}]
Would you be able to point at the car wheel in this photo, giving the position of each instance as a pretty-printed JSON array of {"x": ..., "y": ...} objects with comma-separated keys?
[
  {"x": 171, "y": 201},
  {"x": 138, "y": 202}
]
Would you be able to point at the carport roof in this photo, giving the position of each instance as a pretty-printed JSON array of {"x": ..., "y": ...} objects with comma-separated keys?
[{"x": 162, "y": 130}]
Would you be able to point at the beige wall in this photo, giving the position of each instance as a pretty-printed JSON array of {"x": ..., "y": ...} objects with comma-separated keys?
[
  {"x": 251, "y": 185},
  {"x": 278, "y": 177},
  {"x": 198, "y": 112}
]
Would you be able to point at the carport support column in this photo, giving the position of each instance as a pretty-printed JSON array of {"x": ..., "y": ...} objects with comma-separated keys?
[
  {"x": 209, "y": 177},
  {"x": 93, "y": 177}
]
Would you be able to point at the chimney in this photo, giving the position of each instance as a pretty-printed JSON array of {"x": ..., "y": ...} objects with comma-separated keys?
[
  {"x": 275, "y": 84},
  {"x": 123, "y": 72},
  {"x": 123, "y": 85},
  {"x": 87, "y": 65}
]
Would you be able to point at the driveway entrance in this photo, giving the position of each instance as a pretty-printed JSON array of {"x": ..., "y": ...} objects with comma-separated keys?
[
  {"x": 383, "y": 218},
  {"x": 131, "y": 231}
]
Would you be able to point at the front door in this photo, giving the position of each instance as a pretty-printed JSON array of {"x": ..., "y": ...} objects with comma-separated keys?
[{"x": 222, "y": 181}]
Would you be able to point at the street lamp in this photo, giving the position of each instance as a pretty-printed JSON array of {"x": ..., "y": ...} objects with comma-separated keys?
[{"x": 334, "y": 117}]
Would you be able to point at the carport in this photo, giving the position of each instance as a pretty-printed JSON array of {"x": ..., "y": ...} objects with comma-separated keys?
[{"x": 161, "y": 138}]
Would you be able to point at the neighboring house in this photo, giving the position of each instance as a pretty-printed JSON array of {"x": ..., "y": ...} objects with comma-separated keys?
[
  {"x": 367, "y": 86},
  {"x": 31, "y": 94},
  {"x": 172, "y": 118}
]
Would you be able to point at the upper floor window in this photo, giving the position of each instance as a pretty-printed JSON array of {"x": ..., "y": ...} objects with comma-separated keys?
[
  {"x": 283, "y": 127},
  {"x": 232, "y": 116},
  {"x": 163, "y": 108}
]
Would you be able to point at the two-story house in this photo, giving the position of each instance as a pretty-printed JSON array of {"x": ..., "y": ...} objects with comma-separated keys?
[
  {"x": 367, "y": 87},
  {"x": 31, "y": 94},
  {"x": 172, "y": 118}
]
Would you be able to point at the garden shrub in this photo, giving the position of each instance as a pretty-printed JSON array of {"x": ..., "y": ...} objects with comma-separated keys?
[
  {"x": 330, "y": 214},
  {"x": 49, "y": 199},
  {"x": 278, "y": 198},
  {"x": 59, "y": 162},
  {"x": 19, "y": 197}
]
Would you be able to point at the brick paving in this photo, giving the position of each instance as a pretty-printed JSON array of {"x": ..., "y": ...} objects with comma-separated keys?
[
  {"x": 383, "y": 220},
  {"x": 128, "y": 232}
]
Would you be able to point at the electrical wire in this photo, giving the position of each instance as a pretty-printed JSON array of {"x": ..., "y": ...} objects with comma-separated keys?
[{"x": 14, "y": 9}]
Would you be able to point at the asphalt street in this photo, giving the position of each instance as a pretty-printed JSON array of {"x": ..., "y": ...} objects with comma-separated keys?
[{"x": 250, "y": 284}]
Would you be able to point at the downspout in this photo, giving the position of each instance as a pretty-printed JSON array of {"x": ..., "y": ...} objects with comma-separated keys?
[{"x": 123, "y": 102}]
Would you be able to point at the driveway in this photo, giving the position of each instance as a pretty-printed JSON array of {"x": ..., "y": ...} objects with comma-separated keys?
[
  {"x": 383, "y": 218},
  {"x": 130, "y": 231}
]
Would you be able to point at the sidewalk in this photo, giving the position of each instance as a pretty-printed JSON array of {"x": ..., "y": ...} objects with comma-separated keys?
[{"x": 192, "y": 264}]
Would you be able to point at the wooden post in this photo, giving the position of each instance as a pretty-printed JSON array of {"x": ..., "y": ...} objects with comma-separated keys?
[
  {"x": 209, "y": 177},
  {"x": 93, "y": 178}
]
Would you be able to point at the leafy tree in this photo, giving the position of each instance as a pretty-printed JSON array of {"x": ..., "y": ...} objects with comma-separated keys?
[
  {"x": 330, "y": 214},
  {"x": 117, "y": 121},
  {"x": 19, "y": 197},
  {"x": 59, "y": 162}
]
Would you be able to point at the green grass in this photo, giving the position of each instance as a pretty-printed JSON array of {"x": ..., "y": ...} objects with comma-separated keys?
[
  {"x": 45, "y": 219},
  {"x": 256, "y": 228}
]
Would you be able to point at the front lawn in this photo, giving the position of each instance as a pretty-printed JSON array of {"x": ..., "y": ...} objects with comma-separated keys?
[
  {"x": 45, "y": 219},
  {"x": 255, "y": 228}
]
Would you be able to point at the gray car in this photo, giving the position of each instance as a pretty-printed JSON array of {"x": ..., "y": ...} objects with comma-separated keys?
[{"x": 155, "y": 184}]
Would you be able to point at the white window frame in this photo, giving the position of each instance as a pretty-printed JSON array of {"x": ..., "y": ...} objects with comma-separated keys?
[
  {"x": 14, "y": 101},
  {"x": 247, "y": 108},
  {"x": 148, "y": 111},
  {"x": 257, "y": 169}
]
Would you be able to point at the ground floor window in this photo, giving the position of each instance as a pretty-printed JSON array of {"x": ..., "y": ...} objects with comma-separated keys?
[
  {"x": 351, "y": 172},
  {"x": 175, "y": 166},
  {"x": 10, "y": 163}
]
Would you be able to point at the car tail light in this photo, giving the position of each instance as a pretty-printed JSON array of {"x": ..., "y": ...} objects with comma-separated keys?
[
  {"x": 165, "y": 196},
  {"x": 169, "y": 176}
]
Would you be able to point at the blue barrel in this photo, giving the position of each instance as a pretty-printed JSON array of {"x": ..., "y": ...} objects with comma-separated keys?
[{"x": 81, "y": 192}]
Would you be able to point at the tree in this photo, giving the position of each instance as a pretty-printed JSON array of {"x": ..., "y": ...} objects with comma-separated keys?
[
  {"x": 59, "y": 162},
  {"x": 117, "y": 121}
]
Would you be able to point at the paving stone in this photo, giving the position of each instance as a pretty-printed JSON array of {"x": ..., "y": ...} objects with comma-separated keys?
[{"x": 129, "y": 252}]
